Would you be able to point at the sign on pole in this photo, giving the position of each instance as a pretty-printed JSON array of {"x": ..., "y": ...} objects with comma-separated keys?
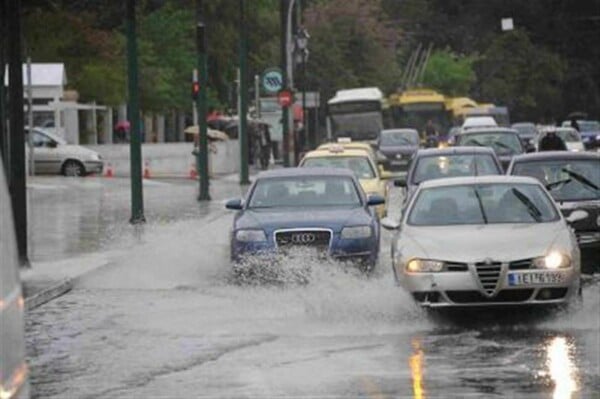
[
  {"x": 272, "y": 80},
  {"x": 285, "y": 98}
]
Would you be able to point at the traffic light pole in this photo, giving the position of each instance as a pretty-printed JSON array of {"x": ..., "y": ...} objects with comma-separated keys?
[
  {"x": 243, "y": 93},
  {"x": 135, "y": 146},
  {"x": 284, "y": 59},
  {"x": 17, "y": 179},
  {"x": 204, "y": 194}
]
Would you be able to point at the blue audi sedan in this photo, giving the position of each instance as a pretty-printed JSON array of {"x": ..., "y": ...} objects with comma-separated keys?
[{"x": 309, "y": 209}]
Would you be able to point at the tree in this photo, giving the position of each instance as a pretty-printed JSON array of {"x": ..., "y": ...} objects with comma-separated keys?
[
  {"x": 450, "y": 73},
  {"x": 526, "y": 78}
]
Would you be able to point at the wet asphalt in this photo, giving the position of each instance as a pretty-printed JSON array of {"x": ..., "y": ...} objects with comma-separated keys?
[{"x": 166, "y": 319}]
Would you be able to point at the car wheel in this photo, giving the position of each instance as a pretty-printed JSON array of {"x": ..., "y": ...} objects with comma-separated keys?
[{"x": 73, "y": 168}]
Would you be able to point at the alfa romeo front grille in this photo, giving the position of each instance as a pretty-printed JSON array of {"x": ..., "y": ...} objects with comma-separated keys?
[
  {"x": 306, "y": 238},
  {"x": 489, "y": 274}
]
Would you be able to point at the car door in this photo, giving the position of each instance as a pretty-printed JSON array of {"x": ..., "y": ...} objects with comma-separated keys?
[{"x": 47, "y": 158}]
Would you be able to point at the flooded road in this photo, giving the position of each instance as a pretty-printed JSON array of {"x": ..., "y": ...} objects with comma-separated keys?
[{"x": 166, "y": 319}]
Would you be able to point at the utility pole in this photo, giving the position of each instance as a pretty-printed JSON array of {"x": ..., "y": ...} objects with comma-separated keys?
[
  {"x": 3, "y": 136},
  {"x": 30, "y": 118},
  {"x": 285, "y": 110},
  {"x": 17, "y": 176},
  {"x": 135, "y": 146},
  {"x": 243, "y": 93},
  {"x": 204, "y": 194}
]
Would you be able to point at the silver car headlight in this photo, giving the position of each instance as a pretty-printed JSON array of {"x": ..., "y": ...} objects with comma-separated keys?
[
  {"x": 250, "y": 235},
  {"x": 356, "y": 232},
  {"x": 554, "y": 260},
  {"x": 417, "y": 265},
  {"x": 95, "y": 157}
]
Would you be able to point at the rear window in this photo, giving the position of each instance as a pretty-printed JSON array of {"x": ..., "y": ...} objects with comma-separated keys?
[{"x": 454, "y": 165}]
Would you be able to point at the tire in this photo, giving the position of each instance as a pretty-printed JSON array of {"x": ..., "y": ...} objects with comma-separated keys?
[{"x": 72, "y": 168}]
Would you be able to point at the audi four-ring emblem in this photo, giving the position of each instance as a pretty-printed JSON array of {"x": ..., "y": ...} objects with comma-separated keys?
[{"x": 303, "y": 238}]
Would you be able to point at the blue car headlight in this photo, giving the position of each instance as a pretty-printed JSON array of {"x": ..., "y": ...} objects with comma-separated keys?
[
  {"x": 251, "y": 235},
  {"x": 356, "y": 232}
]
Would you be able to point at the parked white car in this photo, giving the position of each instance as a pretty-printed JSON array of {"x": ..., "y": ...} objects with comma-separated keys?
[
  {"x": 485, "y": 241},
  {"x": 53, "y": 155},
  {"x": 570, "y": 136},
  {"x": 13, "y": 369}
]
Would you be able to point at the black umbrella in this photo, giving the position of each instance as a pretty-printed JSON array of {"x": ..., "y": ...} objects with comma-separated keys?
[{"x": 577, "y": 115}]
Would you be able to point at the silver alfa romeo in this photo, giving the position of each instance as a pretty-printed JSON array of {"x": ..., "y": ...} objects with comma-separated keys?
[{"x": 485, "y": 241}]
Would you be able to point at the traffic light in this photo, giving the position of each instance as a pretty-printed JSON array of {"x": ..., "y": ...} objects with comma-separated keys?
[{"x": 195, "y": 90}]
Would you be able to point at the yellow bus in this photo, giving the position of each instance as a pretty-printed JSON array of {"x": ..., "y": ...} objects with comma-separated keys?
[{"x": 413, "y": 108}]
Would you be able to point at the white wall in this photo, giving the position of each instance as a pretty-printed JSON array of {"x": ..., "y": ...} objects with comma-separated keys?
[{"x": 170, "y": 159}]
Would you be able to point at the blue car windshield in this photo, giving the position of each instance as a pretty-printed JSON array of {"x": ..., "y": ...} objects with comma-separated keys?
[
  {"x": 305, "y": 191},
  {"x": 482, "y": 204},
  {"x": 454, "y": 165}
]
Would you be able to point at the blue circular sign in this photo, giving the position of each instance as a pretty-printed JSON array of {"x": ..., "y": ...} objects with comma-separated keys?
[{"x": 272, "y": 80}]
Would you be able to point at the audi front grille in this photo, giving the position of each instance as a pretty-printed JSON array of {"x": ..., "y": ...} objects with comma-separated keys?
[
  {"x": 489, "y": 274},
  {"x": 304, "y": 238}
]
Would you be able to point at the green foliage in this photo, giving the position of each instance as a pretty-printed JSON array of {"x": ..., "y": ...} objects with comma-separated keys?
[
  {"x": 516, "y": 73},
  {"x": 450, "y": 73},
  {"x": 351, "y": 45}
]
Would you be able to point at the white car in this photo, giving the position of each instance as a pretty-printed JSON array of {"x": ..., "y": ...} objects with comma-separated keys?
[
  {"x": 53, "y": 155},
  {"x": 487, "y": 240},
  {"x": 570, "y": 136}
]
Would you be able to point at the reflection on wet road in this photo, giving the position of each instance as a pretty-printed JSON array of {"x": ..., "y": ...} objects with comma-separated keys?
[{"x": 166, "y": 320}]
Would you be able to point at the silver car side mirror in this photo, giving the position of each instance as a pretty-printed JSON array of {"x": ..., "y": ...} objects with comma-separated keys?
[
  {"x": 576, "y": 216},
  {"x": 390, "y": 224}
]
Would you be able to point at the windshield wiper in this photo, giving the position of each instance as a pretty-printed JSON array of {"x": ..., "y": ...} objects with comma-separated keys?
[
  {"x": 477, "y": 143},
  {"x": 500, "y": 144},
  {"x": 485, "y": 219},
  {"x": 580, "y": 179},
  {"x": 551, "y": 186},
  {"x": 531, "y": 208}
]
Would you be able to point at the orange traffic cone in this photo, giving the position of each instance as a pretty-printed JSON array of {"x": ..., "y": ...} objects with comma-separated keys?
[
  {"x": 146, "y": 170},
  {"x": 109, "y": 170},
  {"x": 193, "y": 172}
]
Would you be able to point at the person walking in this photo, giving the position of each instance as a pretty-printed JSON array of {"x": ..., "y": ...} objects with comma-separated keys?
[{"x": 574, "y": 124}]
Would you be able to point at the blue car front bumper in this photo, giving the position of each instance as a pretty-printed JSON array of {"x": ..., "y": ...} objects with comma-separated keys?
[{"x": 359, "y": 249}]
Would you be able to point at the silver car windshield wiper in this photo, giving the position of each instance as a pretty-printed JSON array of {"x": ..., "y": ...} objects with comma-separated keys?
[
  {"x": 476, "y": 142},
  {"x": 551, "y": 186},
  {"x": 485, "y": 219},
  {"x": 500, "y": 144},
  {"x": 531, "y": 208},
  {"x": 581, "y": 179}
]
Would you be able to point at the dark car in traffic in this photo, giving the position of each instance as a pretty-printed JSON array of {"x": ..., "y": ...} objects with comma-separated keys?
[
  {"x": 590, "y": 133},
  {"x": 320, "y": 210},
  {"x": 527, "y": 132},
  {"x": 398, "y": 146},
  {"x": 573, "y": 180},
  {"x": 438, "y": 163},
  {"x": 505, "y": 142}
]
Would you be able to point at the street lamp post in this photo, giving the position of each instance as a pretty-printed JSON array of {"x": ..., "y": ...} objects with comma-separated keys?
[{"x": 302, "y": 37}]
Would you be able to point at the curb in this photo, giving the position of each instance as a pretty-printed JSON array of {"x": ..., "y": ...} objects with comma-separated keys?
[{"x": 48, "y": 294}]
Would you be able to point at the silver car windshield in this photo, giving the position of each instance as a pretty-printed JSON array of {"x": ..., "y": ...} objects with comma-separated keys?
[
  {"x": 453, "y": 165},
  {"x": 482, "y": 204},
  {"x": 567, "y": 180},
  {"x": 502, "y": 143},
  {"x": 360, "y": 166},
  {"x": 311, "y": 191}
]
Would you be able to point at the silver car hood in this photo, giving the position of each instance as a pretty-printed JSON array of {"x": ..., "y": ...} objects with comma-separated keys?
[{"x": 474, "y": 243}]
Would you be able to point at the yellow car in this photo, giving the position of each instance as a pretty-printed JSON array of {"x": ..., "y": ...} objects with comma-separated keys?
[
  {"x": 347, "y": 144},
  {"x": 359, "y": 162}
]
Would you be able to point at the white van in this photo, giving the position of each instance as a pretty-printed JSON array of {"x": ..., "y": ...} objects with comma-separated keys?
[
  {"x": 478, "y": 121},
  {"x": 13, "y": 370}
]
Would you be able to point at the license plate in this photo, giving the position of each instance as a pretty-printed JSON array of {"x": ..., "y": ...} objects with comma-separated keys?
[
  {"x": 399, "y": 162},
  {"x": 515, "y": 279}
]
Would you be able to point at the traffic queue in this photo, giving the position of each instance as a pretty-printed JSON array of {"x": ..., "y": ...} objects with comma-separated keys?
[{"x": 484, "y": 221}]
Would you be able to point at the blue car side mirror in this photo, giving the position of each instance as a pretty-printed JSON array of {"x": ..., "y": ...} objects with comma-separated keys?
[
  {"x": 375, "y": 199},
  {"x": 235, "y": 204}
]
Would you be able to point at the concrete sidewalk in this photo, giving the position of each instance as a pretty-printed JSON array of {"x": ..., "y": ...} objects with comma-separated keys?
[{"x": 79, "y": 225}]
